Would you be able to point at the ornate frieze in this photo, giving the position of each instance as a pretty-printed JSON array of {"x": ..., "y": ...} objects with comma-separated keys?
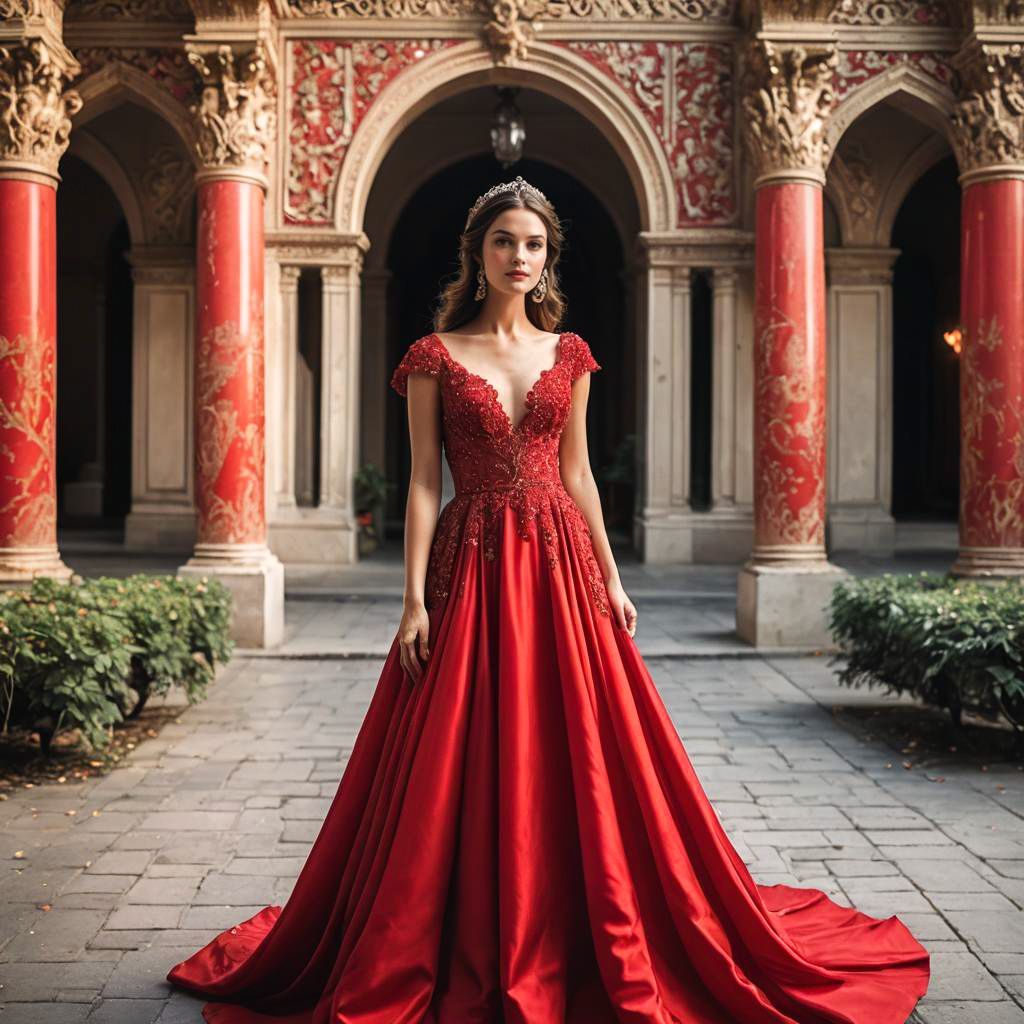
[
  {"x": 235, "y": 117},
  {"x": 988, "y": 122},
  {"x": 718, "y": 11},
  {"x": 334, "y": 82},
  {"x": 168, "y": 67},
  {"x": 174, "y": 11},
  {"x": 685, "y": 92},
  {"x": 924, "y": 13},
  {"x": 857, "y": 67},
  {"x": 788, "y": 94},
  {"x": 35, "y": 108}
]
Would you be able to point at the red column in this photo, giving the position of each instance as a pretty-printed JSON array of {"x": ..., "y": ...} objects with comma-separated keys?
[
  {"x": 789, "y": 374},
  {"x": 992, "y": 378},
  {"x": 28, "y": 343},
  {"x": 230, "y": 369}
]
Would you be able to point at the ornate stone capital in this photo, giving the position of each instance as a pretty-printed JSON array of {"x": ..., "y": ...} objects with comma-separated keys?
[
  {"x": 35, "y": 109},
  {"x": 511, "y": 30},
  {"x": 988, "y": 122},
  {"x": 788, "y": 95},
  {"x": 235, "y": 116}
]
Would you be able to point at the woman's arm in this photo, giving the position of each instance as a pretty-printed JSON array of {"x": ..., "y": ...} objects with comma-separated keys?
[
  {"x": 578, "y": 479},
  {"x": 421, "y": 511}
]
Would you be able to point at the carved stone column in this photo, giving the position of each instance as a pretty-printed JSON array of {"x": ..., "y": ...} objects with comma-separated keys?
[
  {"x": 786, "y": 584},
  {"x": 35, "y": 122},
  {"x": 321, "y": 528},
  {"x": 234, "y": 128},
  {"x": 663, "y": 530},
  {"x": 860, "y": 399},
  {"x": 989, "y": 137}
]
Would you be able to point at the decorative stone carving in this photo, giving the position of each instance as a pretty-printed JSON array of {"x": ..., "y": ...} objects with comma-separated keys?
[
  {"x": 854, "y": 172},
  {"x": 176, "y": 11},
  {"x": 235, "y": 118},
  {"x": 333, "y": 84},
  {"x": 166, "y": 184},
  {"x": 788, "y": 95},
  {"x": 857, "y": 67},
  {"x": 892, "y": 12},
  {"x": 718, "y": 11},
  {"x": 510, "y": 30},
  {"x": 989, "y": 13},
  {"x": 23, "y": 9},
  {"x": 685, "y": 91},
  {"x": 35, "y": 110},
  {"x": 988, "y": 123},
  {"x": 167, "y": 66}
]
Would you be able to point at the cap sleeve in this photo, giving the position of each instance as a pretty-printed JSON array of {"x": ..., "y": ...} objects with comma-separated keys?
[
  {"x": 582, "y": 361},
  {"x": 422, "y": 357}
]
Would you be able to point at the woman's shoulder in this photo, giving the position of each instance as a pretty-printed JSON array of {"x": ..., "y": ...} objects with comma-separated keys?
[
  {"x": 424, "y": 355},
  {"x": 577, "y": 355}
]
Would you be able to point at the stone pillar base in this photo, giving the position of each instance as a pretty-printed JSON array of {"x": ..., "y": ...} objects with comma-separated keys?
[
  {"x": 23, "y": 564},
  {"x": 160, "y": 530},
  {"x": 861, "y": 528},
  {"x": 786, "y": 605},
  {"x": 312, "y": 536},
  {"x": 664, "y": 538},
  {"x": 989, "y": 562},
  {"x": 255, "y": 578}
]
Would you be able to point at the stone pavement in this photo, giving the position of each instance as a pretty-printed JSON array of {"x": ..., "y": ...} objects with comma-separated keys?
[{"x": 211, "y": 820}]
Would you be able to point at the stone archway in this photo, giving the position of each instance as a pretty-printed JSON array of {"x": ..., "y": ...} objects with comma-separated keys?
[
  {"x": 550, "y": 69},
  {"x": 885, "y": 136},
  {"x": 154, "y": 187}
]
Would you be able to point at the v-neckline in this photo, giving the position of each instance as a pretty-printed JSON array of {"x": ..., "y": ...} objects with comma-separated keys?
[{"x": 527, "y": 401}]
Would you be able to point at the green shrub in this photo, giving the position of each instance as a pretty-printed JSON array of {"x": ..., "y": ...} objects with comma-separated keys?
[
  {"x": 949, "y": 642},
  {"x": 89, "y": 653}
]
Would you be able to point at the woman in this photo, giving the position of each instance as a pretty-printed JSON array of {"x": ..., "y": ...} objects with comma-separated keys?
[{"x": 518, "y": 836}]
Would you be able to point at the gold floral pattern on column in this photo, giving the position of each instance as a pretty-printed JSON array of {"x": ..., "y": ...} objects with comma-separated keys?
[
  {"x": 788, "y": 94},
  {"x": 235, "y": 117},
  {"x": 35, "y": 110},
  {"x": 790, "y": 407},
  {"x": 27, "y": 446},
  {"x": 992, "y": 445},
  {"x": 230, "y": 448}
]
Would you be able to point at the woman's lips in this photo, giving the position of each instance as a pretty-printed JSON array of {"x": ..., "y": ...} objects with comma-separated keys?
[{"x": 516, "y": 273}]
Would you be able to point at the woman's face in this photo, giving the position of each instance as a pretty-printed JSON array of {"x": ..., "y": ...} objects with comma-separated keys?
[{"x": 514, "y": 251}]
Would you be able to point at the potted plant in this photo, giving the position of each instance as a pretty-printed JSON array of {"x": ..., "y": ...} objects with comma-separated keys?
[{"x": 371, "y": 492}]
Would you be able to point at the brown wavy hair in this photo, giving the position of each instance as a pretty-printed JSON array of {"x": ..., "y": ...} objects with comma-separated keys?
[{"x": 457, "y": 305}]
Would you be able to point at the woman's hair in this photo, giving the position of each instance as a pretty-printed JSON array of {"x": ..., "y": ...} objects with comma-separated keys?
[{"x": 457, "y": 305}]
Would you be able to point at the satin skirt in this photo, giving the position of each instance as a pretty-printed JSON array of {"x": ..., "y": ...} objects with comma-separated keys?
[{"x": 520, "y": 838}]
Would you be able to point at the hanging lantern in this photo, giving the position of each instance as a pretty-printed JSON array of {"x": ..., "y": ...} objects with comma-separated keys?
[
  {"x": 954, "y": 339},
  {"x": 508, "y": 132}
]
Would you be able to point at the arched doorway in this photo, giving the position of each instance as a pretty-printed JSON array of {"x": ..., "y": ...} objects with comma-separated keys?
[
  {"x": 94, "y": 352},
  {"x": 414, "y": 227},
  {"x": 926, "y": 305},
  {"x": 892, "y": 255}
]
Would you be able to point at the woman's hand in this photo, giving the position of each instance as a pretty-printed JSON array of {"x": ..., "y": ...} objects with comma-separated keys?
[
  {"x": 625, "y": 612},
  {"x": 414, "y": 627}
]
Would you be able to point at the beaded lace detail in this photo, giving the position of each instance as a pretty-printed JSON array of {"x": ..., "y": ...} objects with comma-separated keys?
[{"x": 497, "y": 464}]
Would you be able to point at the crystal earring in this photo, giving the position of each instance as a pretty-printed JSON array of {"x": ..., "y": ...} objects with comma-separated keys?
[
  {"x": 481, "y": 290},
  {"x": 541, "y": 288}
]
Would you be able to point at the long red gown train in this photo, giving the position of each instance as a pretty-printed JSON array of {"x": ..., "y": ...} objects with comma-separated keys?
[{"x": 520, "y": 838}]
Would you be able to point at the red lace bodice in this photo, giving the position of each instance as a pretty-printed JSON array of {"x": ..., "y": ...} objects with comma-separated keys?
[{"x": 496, "y": 463}]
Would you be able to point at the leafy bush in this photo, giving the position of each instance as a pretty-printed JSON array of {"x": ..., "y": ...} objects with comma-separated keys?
[
  {"x": 90, "y": 652},
  {"x": 949, "y": 642}
]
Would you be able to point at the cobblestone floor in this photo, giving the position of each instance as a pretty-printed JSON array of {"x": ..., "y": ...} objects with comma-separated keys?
[{"x": 211, "y": 820}]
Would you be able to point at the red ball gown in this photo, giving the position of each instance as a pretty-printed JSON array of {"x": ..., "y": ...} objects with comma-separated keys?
[{"x": 520, "y": 837}]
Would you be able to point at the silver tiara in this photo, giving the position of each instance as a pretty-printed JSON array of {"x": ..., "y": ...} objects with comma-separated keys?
[{"x": 518, "y": 185}]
